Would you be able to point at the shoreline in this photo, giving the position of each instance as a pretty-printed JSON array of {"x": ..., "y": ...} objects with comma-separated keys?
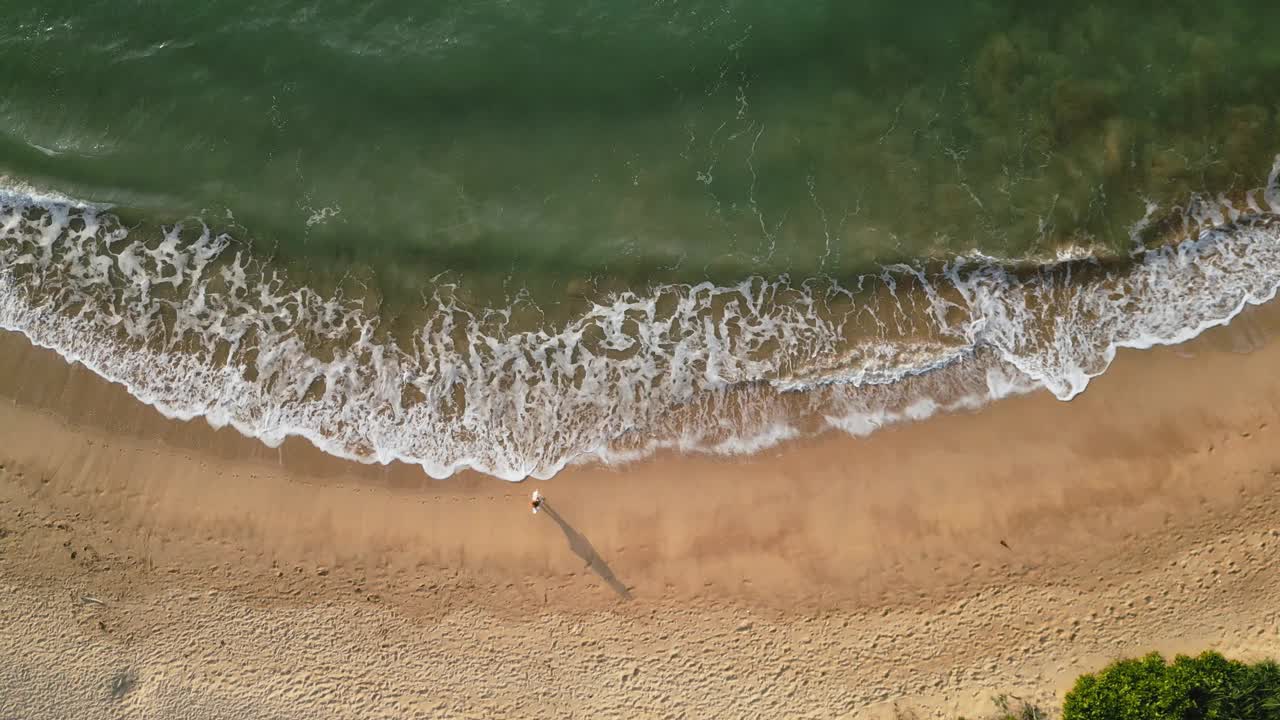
[
  {"x": 1152, "y": 487},
  {"x": 466, "y": 393}
]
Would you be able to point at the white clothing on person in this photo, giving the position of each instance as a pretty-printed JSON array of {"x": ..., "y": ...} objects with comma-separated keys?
[{"x": 537, "y": 501}]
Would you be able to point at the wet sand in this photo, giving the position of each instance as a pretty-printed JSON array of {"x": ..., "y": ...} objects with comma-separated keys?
[{"x": 156, "y": 568}]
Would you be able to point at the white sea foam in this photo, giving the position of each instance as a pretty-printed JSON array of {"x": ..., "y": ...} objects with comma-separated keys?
[{"x": 192, "y": 324}]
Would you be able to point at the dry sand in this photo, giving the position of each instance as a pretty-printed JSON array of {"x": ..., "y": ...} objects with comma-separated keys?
[{"x": 159, "y": 569}]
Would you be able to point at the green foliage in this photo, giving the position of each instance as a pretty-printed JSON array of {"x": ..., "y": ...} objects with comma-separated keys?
[{"x": 1208, "y": 687}]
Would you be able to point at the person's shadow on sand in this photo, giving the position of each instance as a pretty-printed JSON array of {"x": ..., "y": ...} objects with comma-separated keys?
[{"x": 582, "y": 547}]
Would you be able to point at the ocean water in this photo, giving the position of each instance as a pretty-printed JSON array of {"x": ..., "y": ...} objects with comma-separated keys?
[{"x": 515, "y": 236}]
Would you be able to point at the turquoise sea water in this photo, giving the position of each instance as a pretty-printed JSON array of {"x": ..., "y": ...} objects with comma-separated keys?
[{"x": 513, "y": 235}]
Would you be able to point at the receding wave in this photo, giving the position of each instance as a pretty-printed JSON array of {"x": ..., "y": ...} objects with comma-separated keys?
[{"x": 194, "y": 324}]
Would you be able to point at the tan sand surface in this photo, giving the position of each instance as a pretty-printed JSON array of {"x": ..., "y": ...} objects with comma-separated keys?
[{"x": 159, "y": 569}]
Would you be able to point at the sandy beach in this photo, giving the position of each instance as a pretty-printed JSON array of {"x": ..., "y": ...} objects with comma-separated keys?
[{"x": 157, "y": 568}]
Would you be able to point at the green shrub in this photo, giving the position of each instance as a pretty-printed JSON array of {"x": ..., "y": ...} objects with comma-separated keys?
[{"x": 1208, "y": 687}]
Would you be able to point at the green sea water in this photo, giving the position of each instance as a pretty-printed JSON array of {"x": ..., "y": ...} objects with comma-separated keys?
[
  {"x": 539, "y": 159},
  {"x": 640, "y": 140}
]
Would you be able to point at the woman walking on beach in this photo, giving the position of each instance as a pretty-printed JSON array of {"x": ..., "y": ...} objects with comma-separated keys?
[{"x": 536, "y": 502}]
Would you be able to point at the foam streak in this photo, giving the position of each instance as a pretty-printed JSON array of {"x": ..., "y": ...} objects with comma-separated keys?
[{"x": 191, "y": 323}]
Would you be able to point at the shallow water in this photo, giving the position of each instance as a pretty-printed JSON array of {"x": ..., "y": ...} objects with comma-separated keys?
[{"x": 511, "y": 237}]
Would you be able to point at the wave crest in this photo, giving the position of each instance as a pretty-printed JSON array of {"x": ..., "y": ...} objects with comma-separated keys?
[{"x": 191, "y": 322}]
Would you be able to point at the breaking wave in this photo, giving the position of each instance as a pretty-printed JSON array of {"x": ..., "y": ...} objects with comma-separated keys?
[{"x": 191, "y": 322}]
